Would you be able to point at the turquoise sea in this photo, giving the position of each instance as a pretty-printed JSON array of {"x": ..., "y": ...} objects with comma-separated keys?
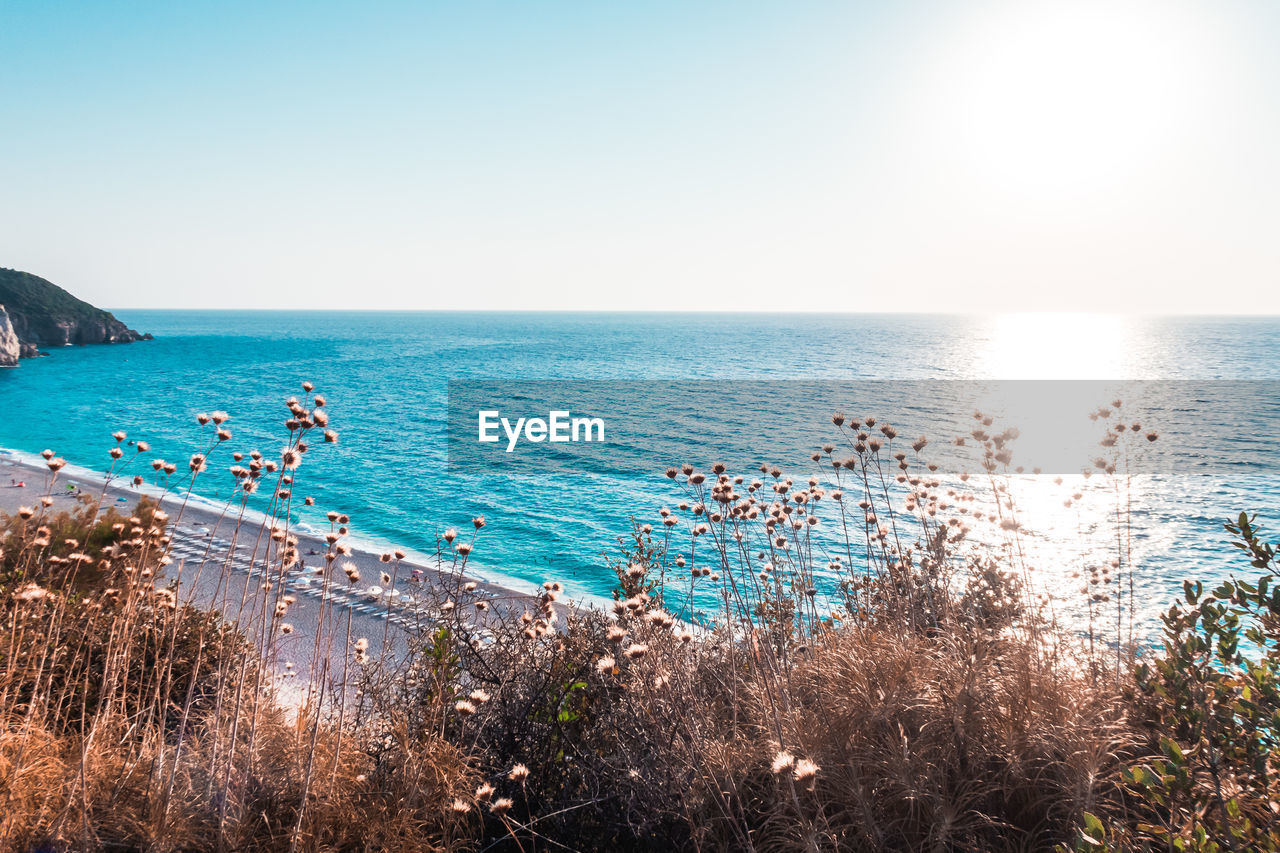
[{"x": 386, "y": 379}]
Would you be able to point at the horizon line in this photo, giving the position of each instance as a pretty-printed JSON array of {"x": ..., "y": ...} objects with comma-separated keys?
[{"x": 713, "y": 312}]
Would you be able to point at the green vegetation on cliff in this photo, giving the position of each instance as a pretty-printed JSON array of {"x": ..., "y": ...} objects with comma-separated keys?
[
  {"x": 24, "y": 292},
  {"x": 45, "y": 315}
]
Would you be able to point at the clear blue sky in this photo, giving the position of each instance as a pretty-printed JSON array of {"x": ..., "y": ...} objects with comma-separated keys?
[{"x": 980, "y": 156}]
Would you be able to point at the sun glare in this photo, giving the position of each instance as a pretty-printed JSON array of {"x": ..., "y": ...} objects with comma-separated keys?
[
  {"x": 1050, "y": 100},
  {"x": 1056, "y": 346}
]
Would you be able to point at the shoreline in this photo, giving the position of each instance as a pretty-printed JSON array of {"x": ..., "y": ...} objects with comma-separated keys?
[
  {"x": 37, "y": 475},
  {"x": 213, "y": 574}
]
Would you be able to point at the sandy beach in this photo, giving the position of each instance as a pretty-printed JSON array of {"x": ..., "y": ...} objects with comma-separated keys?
[{"x": 215, "y": 568}]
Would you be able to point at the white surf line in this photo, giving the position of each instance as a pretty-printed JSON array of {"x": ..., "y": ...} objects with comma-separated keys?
[
  {"x": 215, "y": 551},
  {"x": 206, "y": 548},
  {"x": 354, "y": 599}
]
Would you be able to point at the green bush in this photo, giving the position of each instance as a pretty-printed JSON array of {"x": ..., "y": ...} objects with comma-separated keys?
[{"x": 1212, "y": 780}]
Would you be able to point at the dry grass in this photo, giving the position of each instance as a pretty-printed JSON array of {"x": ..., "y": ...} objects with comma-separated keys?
[
  {"x": 947, "y": 739},
  {"x": 113, "y": 797},
  {"x": 921, "y": 700}
]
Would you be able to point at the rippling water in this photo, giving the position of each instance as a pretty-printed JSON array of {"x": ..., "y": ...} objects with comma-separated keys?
[{"x": 386, "y": 374}]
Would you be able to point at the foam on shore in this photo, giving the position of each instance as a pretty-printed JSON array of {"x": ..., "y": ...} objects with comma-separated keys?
[{"x": 367, "y": 545}]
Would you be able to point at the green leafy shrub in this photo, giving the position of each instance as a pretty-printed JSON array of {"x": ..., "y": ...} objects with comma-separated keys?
[{"x": 1211, "y": 780}]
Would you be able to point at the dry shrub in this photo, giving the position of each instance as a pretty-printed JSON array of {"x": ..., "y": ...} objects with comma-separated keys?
[
  {"x": 33, "y": 773},
  {"x": 958, "y": 736},
  {"x": 131, "y": 795},
  {"x": 391, "y": 791},
  {"x": 954, "y": 740}
]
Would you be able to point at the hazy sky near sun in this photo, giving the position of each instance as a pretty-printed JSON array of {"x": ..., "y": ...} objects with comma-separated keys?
[{"x": 980, "y": 156}]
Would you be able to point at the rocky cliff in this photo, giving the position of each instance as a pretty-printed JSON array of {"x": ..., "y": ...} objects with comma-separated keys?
[
  {"x": 10, "y": 349},
  {"x": 41, "y": 314}
]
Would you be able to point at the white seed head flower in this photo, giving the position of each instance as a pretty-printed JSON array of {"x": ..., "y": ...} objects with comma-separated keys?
[
  {"x": 31, "y": 592},
  {"x": 805, "y": 769}
]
